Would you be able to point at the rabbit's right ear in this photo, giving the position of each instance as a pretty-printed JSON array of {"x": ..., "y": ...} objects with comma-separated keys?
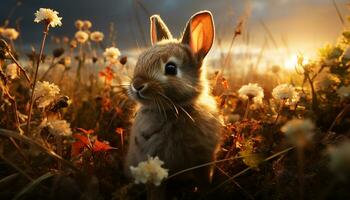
[{"x": 159, "y": 30}]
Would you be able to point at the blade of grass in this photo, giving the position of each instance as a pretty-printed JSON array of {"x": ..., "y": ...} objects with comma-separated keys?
[
  {"x": 249, "y": 168},
  {"x": 32, "y": 185},
  {"x": 5, "y": 181},
  {"x": 25, "y": 139},
  {"x": 16, "y": 167}
]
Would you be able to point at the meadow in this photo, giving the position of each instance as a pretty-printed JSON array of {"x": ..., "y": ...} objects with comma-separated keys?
[{"x": 65, "y": 118}]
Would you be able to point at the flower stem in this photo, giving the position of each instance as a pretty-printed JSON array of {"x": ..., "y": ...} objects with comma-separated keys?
[
  {"x": 279, "y": 111},
  {"x": 247, "y": 109},
  {"x": 31, "y": 102}
]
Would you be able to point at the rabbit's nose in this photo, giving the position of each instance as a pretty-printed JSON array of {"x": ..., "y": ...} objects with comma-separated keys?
[{"x": 138, "y": 85}]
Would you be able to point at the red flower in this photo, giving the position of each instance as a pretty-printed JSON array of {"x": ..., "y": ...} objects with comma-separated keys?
[
  {"x": 100, "y": 146},
  {"x": 107, "y": 73},
  {"x": 86, "y": 132}
]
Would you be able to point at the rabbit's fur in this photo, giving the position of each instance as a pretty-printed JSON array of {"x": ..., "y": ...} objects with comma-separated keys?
[{"x": 177, "y": 119}]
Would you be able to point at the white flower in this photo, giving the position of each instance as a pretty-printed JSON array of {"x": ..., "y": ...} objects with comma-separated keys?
[
  {"x": 326, "y": 81},
  {"x": 149, "y": 171},
  {"x": 251, "y": 91},
  {"x": 12, "y": 71},
  {"x": 79, "y": 24},
  {"x": 96, "y": 36},
  {"x": 111, "y": 54},
  {"x": 10, "y": 33},
  {"x": 59, "y": 127},
  {"x": 45, "y": 93},
  {"x": 298, "y": 131},
  {"x": 49, "y": 16},
  {"x": 81, "y": 36},
  {"x": 344, "y": 92},
  {"x": 285, "y": 92},
  {"x": 340, "y": 159}
]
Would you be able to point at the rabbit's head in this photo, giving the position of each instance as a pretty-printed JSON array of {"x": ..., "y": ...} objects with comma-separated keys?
[{"x": 170, "y": 72}]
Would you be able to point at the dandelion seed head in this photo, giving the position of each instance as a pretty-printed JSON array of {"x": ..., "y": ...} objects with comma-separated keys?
[
  {"x": 340, "y": 160},
  {"x": 49, "y": 16},
  {"x": 253, "y": 91},
  {"x": 299, "y": 132},
  {"x": 285, "y": 92},
  {"x": 149, "y": 171}
]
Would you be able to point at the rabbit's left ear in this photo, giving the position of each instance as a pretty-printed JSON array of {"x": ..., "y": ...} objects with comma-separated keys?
[
  {"x": 159, "y": 30},
  {"x": 199, "y": 33}
]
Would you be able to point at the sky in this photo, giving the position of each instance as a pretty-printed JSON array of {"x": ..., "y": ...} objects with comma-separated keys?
[{"x": 296, "y": 25}]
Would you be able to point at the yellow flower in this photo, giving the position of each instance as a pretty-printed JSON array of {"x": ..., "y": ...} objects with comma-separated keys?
[
  {"x": 81, "y": 36},
  {"x": 87, "y": 24},
  {"x": 49, "y": 16},
  {"x": 96, "y": 36},
  {"x": 79, "y": 24},
  {"x": 149, "y": 171},
  {"x": 10, "y": 33}
]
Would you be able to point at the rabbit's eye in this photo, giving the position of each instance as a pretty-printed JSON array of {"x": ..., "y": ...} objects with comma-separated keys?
[{"x": 170, "y": 69}]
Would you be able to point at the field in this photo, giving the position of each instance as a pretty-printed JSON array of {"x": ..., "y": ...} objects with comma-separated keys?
[{"x": 66, "y": 116}]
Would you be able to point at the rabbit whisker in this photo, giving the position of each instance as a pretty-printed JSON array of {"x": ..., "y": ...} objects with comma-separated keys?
[{"x": 167, "y": 98}]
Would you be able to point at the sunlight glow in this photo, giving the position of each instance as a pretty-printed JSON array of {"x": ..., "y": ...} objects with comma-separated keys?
[{"x": 291, "y": 62}]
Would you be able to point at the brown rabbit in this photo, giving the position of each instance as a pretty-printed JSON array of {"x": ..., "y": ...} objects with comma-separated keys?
[{"x": 177, "y": 119}]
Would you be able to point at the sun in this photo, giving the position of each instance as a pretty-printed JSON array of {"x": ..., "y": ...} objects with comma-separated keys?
[{"x": 292, "y": 61}]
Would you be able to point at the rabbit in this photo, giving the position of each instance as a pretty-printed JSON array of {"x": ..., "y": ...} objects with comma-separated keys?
[{"x": 177, "y": 119}]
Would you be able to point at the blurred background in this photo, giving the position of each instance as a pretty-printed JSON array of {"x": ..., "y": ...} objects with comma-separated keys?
[{"x": 282, "y": 28}]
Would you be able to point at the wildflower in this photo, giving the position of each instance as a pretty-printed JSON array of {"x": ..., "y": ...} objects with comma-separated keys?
[
  {"x": 149, "y": 171},
  {"x": 49, "y": 16},
  {"x": 340, "y": 160},
  {"x": 66, "y": 61},
  {"x": 285, "y": 92},
  {"x": 79, "y": 24},
  {"x": 96, "y": 36},
  {"x": 59, "y": 127},
  {"x": 45, "y": 93},
  {"x": 251, "y": 91},
  {"x": 327, "y": 81},
  {"x": 81, "y": 36},
  {"x": 12, "y": 71},
  {"x": 298, "y": 131},
  {"x": 344, "y": 92},
  {"x": 87, "y": 24},
  {"x": 346, "y": 54},
  {"x": 111, "y": 54},
  {"x": 10, "y": 33}
]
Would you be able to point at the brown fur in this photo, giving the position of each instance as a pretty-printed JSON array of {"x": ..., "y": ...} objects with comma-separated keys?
[{"x": 173, "y": 122}]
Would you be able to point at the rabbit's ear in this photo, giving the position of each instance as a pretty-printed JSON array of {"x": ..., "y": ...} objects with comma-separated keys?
[
  {"x": 159, "y": 30},
  {"x": 199, "y": 33}
]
